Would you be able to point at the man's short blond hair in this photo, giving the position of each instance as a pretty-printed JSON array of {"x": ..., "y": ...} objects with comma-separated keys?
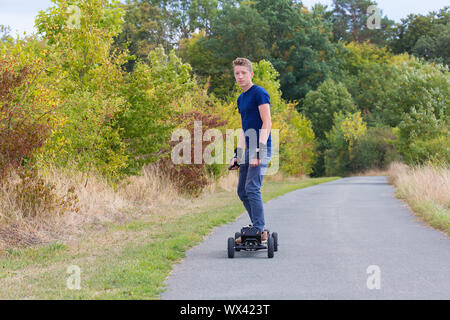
[{"x": 243, "y": 62}]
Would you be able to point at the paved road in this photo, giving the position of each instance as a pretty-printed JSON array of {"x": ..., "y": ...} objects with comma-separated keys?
[{"x": 330, "y": 235}]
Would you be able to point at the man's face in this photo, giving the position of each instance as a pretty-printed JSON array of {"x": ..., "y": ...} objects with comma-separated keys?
[{"x": 243, "y": 76}]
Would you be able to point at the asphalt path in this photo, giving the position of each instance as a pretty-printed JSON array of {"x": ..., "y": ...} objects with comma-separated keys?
[{"x": 345, "y": 239}]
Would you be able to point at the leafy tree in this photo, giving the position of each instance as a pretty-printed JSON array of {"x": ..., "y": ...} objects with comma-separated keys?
[
  {"x": 434, "y": 47},
  {"x": 367, "y": 74},
  {"x": 300, "y": 46},
  {"x": 150, "y": 23},
  {"x": 320, "y": 105},
  {"x": 235, "y": 32},
  {"x": 147, "y": 24},
  {"x": 27, "y": 105},
  {"x": 350, "y": 22},
  {"x": 417, "y": 84},
  {"x": 296, "y": 136},
  {"x": 88, "y": 76},
  {"x": 423, "y": 136},
  {"x": 347, "y": 130},
  {"x": 150, "y": 90},
  {"x": 5, "y": 33},
  {"x": 423, "y": 35},
  {"x": 374, "y": 150},
  {"x": 283, "y": 32}
]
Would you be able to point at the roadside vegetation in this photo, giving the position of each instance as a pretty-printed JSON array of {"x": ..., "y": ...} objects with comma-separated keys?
[{"x": 426, "y": 188}]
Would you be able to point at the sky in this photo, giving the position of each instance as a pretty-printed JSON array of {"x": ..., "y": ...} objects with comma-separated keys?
[{"x": 20, "y": 14}]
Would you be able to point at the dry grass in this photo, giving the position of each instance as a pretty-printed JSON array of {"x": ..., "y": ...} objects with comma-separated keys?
[
  {"x": 98, "y": 204},
  {"x": 371, "y": 173},
  {"x": 426, "y": 189}
]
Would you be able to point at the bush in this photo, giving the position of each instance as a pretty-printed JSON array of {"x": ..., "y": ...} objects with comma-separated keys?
[
  {"x": 25, "y": 105},
  {"x": 34, "y": 197},
  {"x": 347, "y": 131},
  {"x": 320, "y": 105},
  {"x": 374, "y": 151},
  {"x": 189, "y": 178},
  {"x": 423, "y": 135},
  {"x": 86, "y": 73}
]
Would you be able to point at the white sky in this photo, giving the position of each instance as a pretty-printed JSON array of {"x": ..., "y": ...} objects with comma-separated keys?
[{"x": 20, "y": 14}]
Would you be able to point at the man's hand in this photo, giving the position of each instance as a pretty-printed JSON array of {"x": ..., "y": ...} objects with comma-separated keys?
[
  {"x": 257, "y": 154},
  {"x": 255, "y": 162},
  {"x": 233, "y": 164}
]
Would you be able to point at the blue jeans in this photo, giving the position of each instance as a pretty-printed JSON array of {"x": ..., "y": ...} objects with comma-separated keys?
[{"x": 250, "y": 181}]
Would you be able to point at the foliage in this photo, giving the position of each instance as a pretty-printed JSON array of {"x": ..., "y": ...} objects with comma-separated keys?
[
  {"x": 434, "y": 47},
  {"x": 190, "y": 178},
  {"x": 350, "y": 19},
  {"x": 422, "y": 136},
  {"x": 320, "y": 105},
  {"x": 35, "y": 197},
  {"x": 368, "y": 75},
  {"x": 88, "y": 74},
  {"x": 295, "y": 41},
  {"x": 347, "y": 130},
  {"x": 26, "y": 105},
  {"x": 151, "y": 23},
  {"x": 374, "y": 150},
  {"x": 145, "y": 124},
  {"x": 416, "y": 31},
  {"x": 417, "y": 86}
]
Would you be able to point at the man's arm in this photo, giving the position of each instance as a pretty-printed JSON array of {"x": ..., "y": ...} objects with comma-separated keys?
[
  {"x": 241, "y": 140},
  {"x": 264, "y": 112}
]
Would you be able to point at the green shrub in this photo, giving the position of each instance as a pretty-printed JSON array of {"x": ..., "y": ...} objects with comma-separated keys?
[{"x": 374, "y": 151}]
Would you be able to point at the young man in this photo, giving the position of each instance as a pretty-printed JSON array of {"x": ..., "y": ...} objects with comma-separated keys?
[{"x": 254, "y": 107}]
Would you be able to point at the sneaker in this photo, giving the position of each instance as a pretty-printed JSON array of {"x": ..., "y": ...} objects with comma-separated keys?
[{"x": 264, "y": 236}]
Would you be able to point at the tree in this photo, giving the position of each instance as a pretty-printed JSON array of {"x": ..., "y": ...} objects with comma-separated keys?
[
  {"x": 146, "y": 25},
  {"x": 350, "y": 22},
  {"x": 235, "y": 32},
  {"x": 434, "y": 47},
  {"x": 320, "y": 105},
  {"x": 87, "y": 74},
  {"x": 299, "y": 46},
  {"x": 5, "y": 33},
  {"x": 150, "y": 23},
  {"x": 423, "y": 35},
  {"x": 367, "y": 73},
  {"x": 145, "y": 125},
  {"x": 283, "y": 32},
  {"x": 27, "y": 104},
  {"x": 347, "y": 130}
]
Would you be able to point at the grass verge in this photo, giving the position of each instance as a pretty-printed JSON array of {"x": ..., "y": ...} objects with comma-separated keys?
[
  {"x": 128, "y": 260},
  {"x": 426, "y": 189}
]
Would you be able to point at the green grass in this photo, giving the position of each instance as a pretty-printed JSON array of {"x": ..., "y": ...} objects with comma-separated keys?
[
  {"x": 432, "y": 213},
  {"x": 135, "y": 263}
]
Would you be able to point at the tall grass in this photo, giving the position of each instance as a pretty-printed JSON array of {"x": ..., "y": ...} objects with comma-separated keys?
[
  {"x": 98, "y": 203},
  {"x": 426, "y": 188}
]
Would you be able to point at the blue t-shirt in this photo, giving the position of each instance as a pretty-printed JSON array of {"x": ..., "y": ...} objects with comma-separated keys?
[{"x": 248, "y": 103}]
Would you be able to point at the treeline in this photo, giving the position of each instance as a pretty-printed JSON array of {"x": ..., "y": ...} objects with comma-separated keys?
[
  {"x": 104, "y": 90},
  {"x": 328, "y": 60}
]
